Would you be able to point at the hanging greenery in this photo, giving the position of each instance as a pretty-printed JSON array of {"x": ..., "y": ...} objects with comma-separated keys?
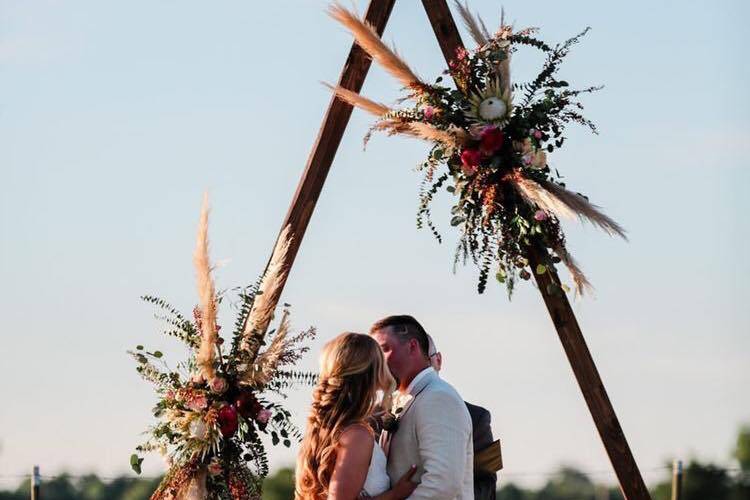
[{"x": 490, "y": 142}]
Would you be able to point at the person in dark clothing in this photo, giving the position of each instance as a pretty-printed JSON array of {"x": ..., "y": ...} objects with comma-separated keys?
[{"x": 485, "y": 481}]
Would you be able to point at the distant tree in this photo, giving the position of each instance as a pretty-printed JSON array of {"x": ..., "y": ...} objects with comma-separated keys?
[
  {"x": 512, "y": 492},
  {"x": 280, "y": 485},
  {"x": 90, "y": 487},
  {"x": 742, "y": 449},
  {"x": 60, "y": 488},
  {"x": 568, "y": 484}
]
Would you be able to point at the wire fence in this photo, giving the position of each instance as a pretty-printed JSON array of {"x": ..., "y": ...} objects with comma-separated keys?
[{"x": 530, "y": 474}]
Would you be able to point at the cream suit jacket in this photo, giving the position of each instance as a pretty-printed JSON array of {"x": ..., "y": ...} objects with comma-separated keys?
[{"x": 434, "y": 433}]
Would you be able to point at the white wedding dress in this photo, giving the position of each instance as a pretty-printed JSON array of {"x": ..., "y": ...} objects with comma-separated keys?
[{"x": 377, "y": 480}]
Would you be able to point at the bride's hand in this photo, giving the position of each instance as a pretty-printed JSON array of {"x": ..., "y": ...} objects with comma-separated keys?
[{"x": 404, "y": 486}]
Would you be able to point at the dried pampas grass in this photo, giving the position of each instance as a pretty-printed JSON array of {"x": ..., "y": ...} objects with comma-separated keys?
[
  {"x": 358, "y": 101},
  {"x": 476, "y": 27},
  {"x": 534, "y": 194},
  {"x": 264, "y": 367},
  {"x": 207, "y": 296},
  {"x": 556, "y": 199},
  {"x": 584, "y": 210},
  {"x": 454, "y": 137},
  {"x": 582, "y": 283},
  {"x": 371, "y": 43},
  {"x": 265, "y": 302}
]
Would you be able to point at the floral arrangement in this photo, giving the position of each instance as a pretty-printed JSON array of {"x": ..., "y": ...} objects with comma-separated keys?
[
  {"x": 214, "y": 408},
  {"x": 493, "y": 138}
]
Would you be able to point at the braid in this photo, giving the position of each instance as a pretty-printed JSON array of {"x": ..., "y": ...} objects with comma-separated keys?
[{"x": 344, "y": 395}]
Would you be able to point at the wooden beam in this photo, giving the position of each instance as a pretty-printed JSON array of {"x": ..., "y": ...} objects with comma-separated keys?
[
  {"x": 584, "y": 369},
  {"x": 329, "y": 137},
  {"x": 592, "y": 387}
]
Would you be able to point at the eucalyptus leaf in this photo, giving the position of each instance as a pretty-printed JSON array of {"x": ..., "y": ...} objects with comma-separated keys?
[{"x": 455, "y": 221}]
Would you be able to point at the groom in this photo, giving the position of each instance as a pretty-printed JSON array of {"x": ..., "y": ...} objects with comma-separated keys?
[{"x": 433, "y": 428}]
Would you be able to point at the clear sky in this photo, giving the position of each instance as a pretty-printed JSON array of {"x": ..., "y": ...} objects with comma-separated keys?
[{"x": 116, "y": 116}]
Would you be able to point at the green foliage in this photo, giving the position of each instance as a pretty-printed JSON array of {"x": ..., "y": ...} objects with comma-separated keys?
[
  {"x": 179, "y": 327},
  {"x": 279, "y": 486},
  {"x": 742, "y": 449},
  {"x": 88, "y": 487}
]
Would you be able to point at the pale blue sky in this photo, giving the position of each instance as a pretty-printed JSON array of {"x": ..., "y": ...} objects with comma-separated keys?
[{"x": 115, "y": 117}]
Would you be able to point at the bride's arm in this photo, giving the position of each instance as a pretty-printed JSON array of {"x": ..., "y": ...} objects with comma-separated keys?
[
  {"x": 402, "y": 489},
  {"x": 353, "y": 456}
]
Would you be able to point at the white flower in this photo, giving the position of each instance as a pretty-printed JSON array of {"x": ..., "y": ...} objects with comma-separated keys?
[
  {"x": 198, "y": 429},
  {"x": 539, "y": 161},
  {"x": 400, "y": 400},
  {"x": 492, "y": 108}
]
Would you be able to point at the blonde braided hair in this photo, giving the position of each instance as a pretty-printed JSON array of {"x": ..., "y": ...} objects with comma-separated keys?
[{"x": 352, "y": 370}]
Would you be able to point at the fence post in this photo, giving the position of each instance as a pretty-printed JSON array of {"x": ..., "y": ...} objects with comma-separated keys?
[
  {"x": 35, "y": 483},
  {"x": 677, "y": 480}
]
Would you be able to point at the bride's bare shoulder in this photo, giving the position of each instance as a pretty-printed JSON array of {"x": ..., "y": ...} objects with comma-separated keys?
[{"x": 356, "y": 434}]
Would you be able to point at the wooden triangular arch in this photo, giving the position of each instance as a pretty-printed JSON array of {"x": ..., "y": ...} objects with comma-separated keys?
[{"x": 308, "y": 191}]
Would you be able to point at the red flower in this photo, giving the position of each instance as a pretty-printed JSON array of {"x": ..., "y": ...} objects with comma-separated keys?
[
  {"x": 227, "y": 420},
  {"x": 492, "y": 140},
  {"x": 248, "y": 405},
  {"x": 471, "y": 157}
]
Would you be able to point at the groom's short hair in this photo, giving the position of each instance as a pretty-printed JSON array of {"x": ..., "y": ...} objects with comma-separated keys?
[{"x": 406, "y": 327}]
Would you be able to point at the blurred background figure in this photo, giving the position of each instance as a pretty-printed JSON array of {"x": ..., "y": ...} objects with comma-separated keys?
[{"x": 487, "y": 457}]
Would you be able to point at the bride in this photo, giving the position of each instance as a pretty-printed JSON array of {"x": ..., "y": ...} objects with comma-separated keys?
[{"x": 339, "y": 458}]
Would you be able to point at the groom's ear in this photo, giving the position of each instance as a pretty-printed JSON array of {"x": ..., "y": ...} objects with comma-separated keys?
[{"x": 415, "y": 348}]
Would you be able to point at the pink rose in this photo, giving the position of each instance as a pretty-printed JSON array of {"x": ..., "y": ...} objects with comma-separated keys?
[
  {"x": 169, "y": 395},
  {"x": 429, "y": 112},
  {"x": 537, "y": 134},
  {"x": 218, "y": 385},
  {"x": 263, "y": 416},
  {"x": 198, "y": 402},
  {"x": 540, "y": 215}
]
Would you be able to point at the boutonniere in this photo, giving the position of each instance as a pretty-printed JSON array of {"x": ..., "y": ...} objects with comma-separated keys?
[
  {"x": 391, "y": 418},
  {"x": 400, "y": 400}
]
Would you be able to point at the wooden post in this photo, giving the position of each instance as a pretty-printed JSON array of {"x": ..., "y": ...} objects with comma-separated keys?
[
  {"x": 592, "y": 387},
  {"x": 677, "y": 480},
  {"x": 36, "y": 481},
  {"x": 328, "y": 140},
  {"x": 584, "y": 369},
  {"x": 311, "y": 185}
]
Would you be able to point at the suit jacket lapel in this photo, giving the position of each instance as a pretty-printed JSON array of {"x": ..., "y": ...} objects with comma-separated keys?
[
  {"x": 421, "y": 385},
  {"x": 417, "y": 390}
]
